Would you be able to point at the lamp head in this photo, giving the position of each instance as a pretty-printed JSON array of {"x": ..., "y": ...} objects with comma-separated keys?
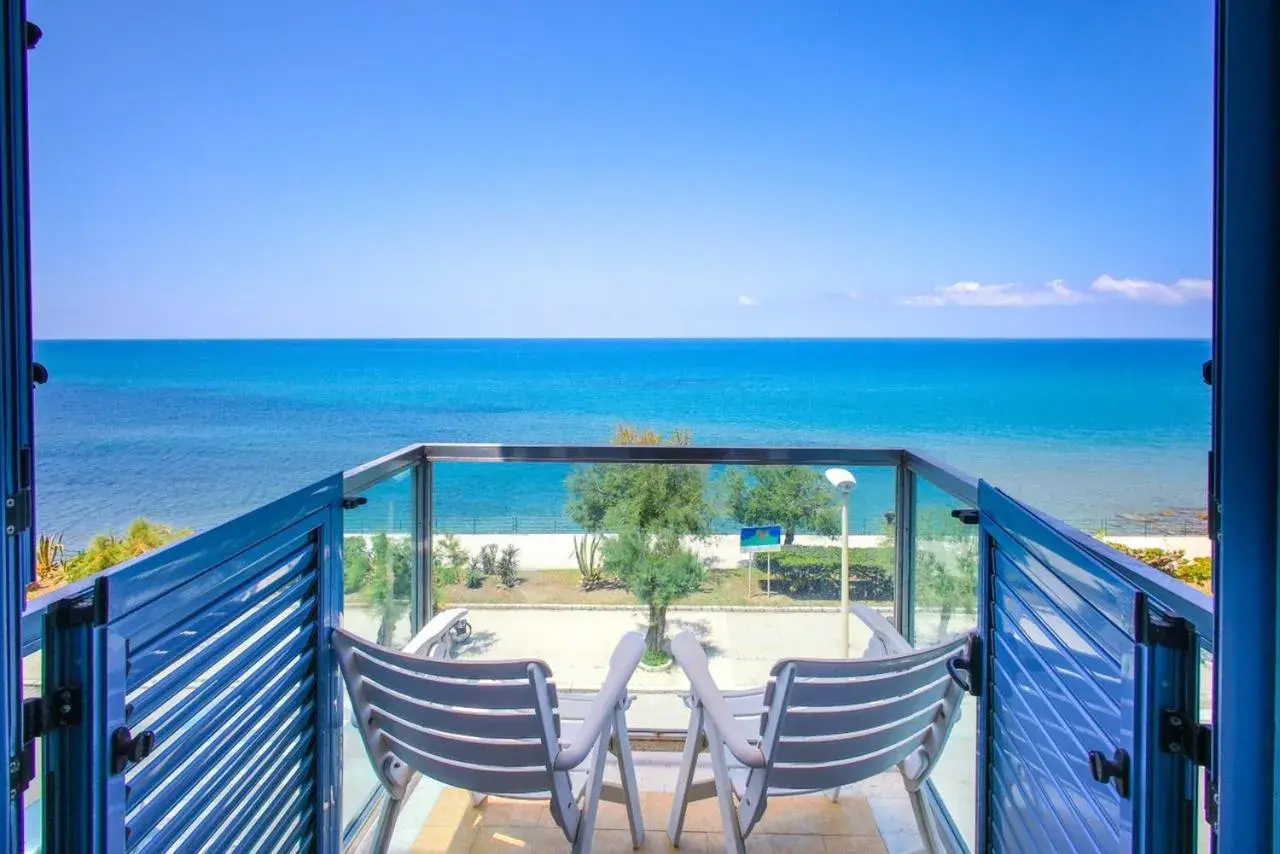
[{"x": 842, "y": 479}]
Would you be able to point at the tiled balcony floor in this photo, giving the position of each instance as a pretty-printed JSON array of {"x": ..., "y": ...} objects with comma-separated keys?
[{"x": 800, "y": 825}]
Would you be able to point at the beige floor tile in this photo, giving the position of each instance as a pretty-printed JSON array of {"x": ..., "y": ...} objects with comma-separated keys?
[
  {"x": 452, "y": 808},
  {"x": 444, "y": 840},
  {"x": 854, "y": 845},
  {"x": 614, "y": 816},
  {"x": 499, "y": 812},
  {"x": 774, "y": 843},
  {"x": 519, "y": 840},
  {"x": 817, "y": 815}
]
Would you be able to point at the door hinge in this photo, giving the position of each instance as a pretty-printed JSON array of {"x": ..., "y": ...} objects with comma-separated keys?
[
  {"x": 1183, "y": 736},
  {"x": 40, "y": 716},
  {"x": 17, "y": 512},
  {"x": 1155, "y": 629},
  {"x": 17, "y": 506}
]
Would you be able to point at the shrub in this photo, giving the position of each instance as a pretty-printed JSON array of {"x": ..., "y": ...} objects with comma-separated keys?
[
  {"x": 355, "y": 563},
  {"x": 475, "y": 573},
  {"x": 107, "y": 550},
  {"x": 450, "y": 560},
  {"x": 489, "y": 559},
  {"x": 1197, "y": 572},
  {"x": 509, "y": 566},
  {"x": 814, "y": 572},
  {"x": 586, "y": 551}
]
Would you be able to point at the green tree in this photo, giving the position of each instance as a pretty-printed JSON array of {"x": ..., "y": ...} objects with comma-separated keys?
[
  {"x": 946, "y": 564},
  {"x": 387, "y": 582},
  {"x": 667, "y": 498},
  {"x": 791, "y": 496},
  {"x": 356, "y": 563},
  {"x": 107, "y": 550},
  {"x": 658, "y": 572},
  {"x": 652, "y": 506}
]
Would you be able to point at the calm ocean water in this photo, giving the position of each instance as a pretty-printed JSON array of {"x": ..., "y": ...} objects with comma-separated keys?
[{"x": 193, "y": 432}]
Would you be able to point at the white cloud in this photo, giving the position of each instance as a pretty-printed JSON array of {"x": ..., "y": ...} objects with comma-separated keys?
[
  {"x": 1179, "y": 293},
  {"x": 1003, "y": 296},
  {"x": 745, "y": 301}
]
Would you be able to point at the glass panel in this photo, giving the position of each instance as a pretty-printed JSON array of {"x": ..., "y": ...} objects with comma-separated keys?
[
  {"x": 1206, "y": 717},
  {"x": 557, "y": 530},
  {"x": 377, "y": 561},
  {"x": 32, "y": 804},
  {"x": 945, "y": 603}
]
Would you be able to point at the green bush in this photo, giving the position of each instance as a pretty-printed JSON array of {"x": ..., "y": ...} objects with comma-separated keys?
[
  {"x": 355, "y": 563},
  {"x": 489, "y": 559},
  {"x": 475, "y": 574},
  {"x": 107, "y": 550},
  {"x": 1197, "y": 572},
  {"x": 509, "y": 566},
  {"x": 813, "y": 572},
  {"x": 450, "y": 560}
]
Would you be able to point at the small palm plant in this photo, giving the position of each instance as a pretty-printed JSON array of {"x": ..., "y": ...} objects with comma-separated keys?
[{"x": 50, "y": 560}]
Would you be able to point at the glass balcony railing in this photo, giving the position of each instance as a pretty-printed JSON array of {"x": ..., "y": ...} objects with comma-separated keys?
[{"x": 543, "y": 578}]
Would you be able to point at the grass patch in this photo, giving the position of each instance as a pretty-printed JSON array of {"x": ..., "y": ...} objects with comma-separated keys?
[{"x": 655, "y": 658}]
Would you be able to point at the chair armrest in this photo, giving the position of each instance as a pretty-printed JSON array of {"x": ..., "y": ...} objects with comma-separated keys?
[
  {"x": 434, "y": 631},
  {"x": 613, "y": 693},
  {"x": 882, "y": 629},
  {"x": 689, "y": 655}
]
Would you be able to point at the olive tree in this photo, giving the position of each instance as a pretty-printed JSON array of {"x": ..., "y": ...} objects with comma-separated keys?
[
  {"x": 652, "y": 507},
  {"x": 791, "y": 496}
]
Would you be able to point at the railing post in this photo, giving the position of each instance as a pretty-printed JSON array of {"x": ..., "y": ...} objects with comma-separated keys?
[
  {"x": 904, "y": 550},
  {"x": 423, "y": 567}
]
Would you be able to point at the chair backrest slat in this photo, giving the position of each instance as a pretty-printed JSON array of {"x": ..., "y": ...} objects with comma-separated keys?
[
  {"x": 851, "y": 745},
  {"x": 492, "y": 752},
  {"x": 472, "y": 694},
  {"x": 490, "y": 779},
  {"x": 475, "y": 723},
  {"x": 835, "y": 720},
  {"x": 844, "y": 720},
  {"x": 854, "y": 687},
  {"x": 818, "y": 778}
]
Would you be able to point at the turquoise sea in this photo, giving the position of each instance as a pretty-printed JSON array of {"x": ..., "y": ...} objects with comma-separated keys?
[{"x": 193, "y": 432}]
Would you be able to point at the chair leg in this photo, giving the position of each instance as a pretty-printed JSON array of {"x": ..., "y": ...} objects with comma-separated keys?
[
  {"x": 923, "y": 820},
  {"x": 587, "y": 824},
  {"x": 386, "y": 825},
  {"x": 477, "y": 798},
  {"x": 627, "y": 773},
  {"x": 834, "y": 795},
  {"x": 688, "y": 765},
  {"x": 733, "y": 842}
]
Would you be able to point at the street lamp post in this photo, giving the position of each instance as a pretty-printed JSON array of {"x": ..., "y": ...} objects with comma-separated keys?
[{"x": 844, "y": 481}]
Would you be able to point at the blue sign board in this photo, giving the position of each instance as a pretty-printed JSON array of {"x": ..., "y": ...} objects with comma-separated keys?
[{"x": 761, "y": 538}]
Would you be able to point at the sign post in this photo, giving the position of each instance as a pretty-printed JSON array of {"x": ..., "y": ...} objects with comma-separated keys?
[{"x": 761, "y": 538}]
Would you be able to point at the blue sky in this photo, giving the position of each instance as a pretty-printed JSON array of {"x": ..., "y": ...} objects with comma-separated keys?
[{"x": 420, "y": 169}]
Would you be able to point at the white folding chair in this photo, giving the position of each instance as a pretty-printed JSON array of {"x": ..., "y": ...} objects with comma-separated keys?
[
  {"x": 492, "y": 727},
  {"x": 818, "y": 725}
]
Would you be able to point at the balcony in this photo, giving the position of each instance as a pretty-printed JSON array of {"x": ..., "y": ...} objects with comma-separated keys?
[{"x": 216, "y": 645}]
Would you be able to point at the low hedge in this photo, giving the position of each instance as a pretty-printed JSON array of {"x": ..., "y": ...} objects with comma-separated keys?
[{"x": 813, "y": 572}]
